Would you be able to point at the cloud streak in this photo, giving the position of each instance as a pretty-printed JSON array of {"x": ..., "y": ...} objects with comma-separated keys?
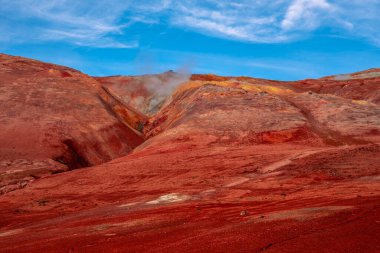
[
  {"x": 107, "y": 23},
  {"x": 81, "y": 23},
  {"x": 280, "y": 20}
]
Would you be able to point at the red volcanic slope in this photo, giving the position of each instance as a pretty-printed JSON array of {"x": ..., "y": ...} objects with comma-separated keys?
[
  {"x": 52, "y": 119},
  {"x": 361, "y": 85},
  {"x": 228, "y": 165}
]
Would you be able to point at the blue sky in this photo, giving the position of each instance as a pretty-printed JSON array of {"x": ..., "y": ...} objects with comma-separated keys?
[{"x": 279, "y": 39}]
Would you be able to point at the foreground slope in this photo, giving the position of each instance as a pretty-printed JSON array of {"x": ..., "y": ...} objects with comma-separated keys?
[
  {"x": 229, "y": 165},
  {"x": 52, "y": 119}
]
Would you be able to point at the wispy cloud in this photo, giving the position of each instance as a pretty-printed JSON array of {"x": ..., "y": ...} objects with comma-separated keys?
[
  {"x": 243, "y": 20},
  {"x": 83, "y": 23},
  {"x": 280, "y": 20},
  {"x": 106, "y": 23},
  {"x": 306, "y": 14}
]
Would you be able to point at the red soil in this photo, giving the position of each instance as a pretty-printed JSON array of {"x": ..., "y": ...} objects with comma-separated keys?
[
  {"x": 52, "y": 120},
  {"x": 360, "y": 86},
  {"x": 228, "y": 165}
]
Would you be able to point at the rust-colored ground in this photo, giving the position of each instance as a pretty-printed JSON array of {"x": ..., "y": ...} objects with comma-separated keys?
[{"x": 227, "y": 165}]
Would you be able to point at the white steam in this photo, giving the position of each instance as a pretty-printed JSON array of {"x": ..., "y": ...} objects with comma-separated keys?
[{"x": 162, "y": 86}]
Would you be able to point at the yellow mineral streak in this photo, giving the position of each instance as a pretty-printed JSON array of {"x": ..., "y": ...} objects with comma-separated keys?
[{"x": 234, "y": 84}]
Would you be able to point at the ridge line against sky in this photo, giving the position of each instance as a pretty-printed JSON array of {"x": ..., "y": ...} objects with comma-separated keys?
[{"x": 139, "y": 28}]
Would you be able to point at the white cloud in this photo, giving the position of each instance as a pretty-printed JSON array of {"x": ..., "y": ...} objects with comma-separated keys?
[
  {"x": 360, "y": 18},
  {"x": 214, "y": 27},
  {"x": 106, "y": 23},
  {"x": 83, "y": 23},
  {"x": 240, "y": 20},
  {"x": 280, "y": 20},
  {"x": 306, "y": 14}
]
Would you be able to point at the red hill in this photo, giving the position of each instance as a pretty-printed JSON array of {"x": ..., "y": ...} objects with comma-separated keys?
[{"x": 228, "y": 164}]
